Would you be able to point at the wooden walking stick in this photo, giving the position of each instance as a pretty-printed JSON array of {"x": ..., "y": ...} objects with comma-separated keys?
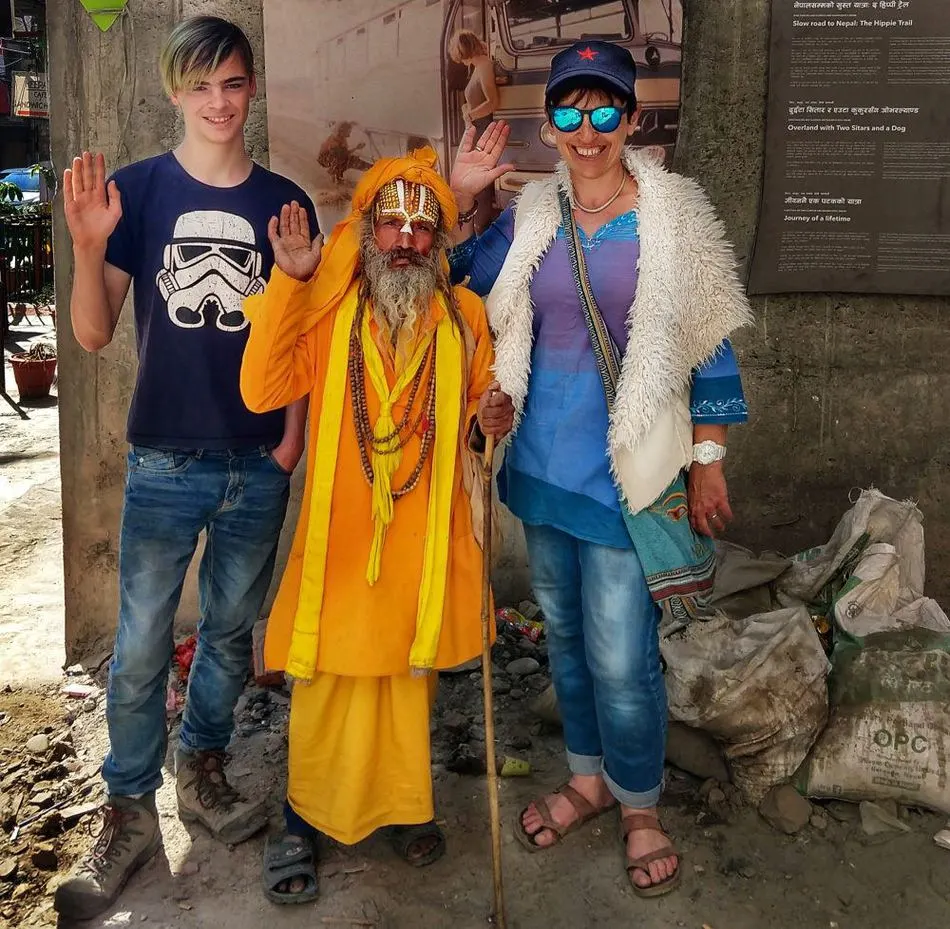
[{"x": 487, "y": 619}]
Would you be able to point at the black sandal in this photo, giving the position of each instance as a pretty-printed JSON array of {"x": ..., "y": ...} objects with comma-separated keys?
[
  {"x": 288, "y": 858},
  {"x": 404, "y": 838}
]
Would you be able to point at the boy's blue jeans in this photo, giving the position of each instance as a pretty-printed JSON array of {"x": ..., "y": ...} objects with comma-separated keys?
[{"x": 240, "y": 498}]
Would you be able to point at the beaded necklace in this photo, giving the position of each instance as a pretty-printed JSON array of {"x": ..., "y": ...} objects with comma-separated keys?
[{"x": 404, "y": 429}]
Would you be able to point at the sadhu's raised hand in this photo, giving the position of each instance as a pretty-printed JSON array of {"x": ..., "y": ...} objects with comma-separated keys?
[
  {"x": 92, "y": 210},
  {"x": 296, "y": 254},
  {"x": 477, "y": 162}
]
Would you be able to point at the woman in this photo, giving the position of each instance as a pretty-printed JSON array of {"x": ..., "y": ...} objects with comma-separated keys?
[
  {"x": 481, "y": 100},
  {"x": 663, "y": 283}
]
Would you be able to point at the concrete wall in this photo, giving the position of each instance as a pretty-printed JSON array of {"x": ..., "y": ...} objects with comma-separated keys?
[{"x": 845, "y": 391}]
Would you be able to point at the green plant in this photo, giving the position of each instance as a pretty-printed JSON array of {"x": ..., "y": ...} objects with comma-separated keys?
[
  {"x": 11, "y": 196},
  {"x": 45, "y": 296},
  {"x": 10, "y": 193},
  {"x": 46, "y": 172},
  {"x": 12, "y": 205},
  {"x": 41, "y": 351},
  {"x": 27, "y": 250}
]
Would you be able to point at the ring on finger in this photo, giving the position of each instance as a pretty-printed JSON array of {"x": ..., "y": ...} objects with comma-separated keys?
[{"x": 714, "y": 516}]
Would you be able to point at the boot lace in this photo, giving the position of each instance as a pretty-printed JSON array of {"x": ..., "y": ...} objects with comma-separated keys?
[
  {"x": 211, "y": 786},
  {"x": 113, "y": 837}
]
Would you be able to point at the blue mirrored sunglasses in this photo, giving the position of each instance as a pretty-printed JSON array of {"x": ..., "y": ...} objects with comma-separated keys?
[{"x": 570, "y": 118}]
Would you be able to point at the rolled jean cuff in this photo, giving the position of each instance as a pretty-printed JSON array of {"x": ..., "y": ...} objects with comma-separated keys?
[
  {"x": 585, "y": 765},
  {"x": 187, "y": 750},
  {"x": 635, "y": 800}
]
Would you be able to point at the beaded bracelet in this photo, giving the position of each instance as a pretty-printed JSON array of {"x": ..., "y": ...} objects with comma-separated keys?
[{"x": 467, "y": 216}]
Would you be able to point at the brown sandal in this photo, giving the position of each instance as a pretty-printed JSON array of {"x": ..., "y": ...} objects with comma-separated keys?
[
  {"x": 585, "y": 813},
  {"x": 636, "y": 822}
]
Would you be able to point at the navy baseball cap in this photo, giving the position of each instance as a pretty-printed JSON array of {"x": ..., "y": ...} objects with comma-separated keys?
[{"x": 607, "y": 63}]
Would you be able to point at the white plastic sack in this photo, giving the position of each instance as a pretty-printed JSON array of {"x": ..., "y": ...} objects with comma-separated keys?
[
  {"x": 756, "y": 684},
  {"x": 898, "y": 524},
  {"x": 872, "y": 600},
  {"x": 885, "y": 590},
  {"x": 922, "y": 614},
  {"x": 871, "y": 596}
]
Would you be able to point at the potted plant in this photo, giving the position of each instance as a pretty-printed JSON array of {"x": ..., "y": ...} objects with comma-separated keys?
[
  {"x": 44, "y": 303},
  {"x": 34, "y": 370}
]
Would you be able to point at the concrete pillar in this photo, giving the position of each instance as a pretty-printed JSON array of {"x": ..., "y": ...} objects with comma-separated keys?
[{"x": 106, "y": 95}]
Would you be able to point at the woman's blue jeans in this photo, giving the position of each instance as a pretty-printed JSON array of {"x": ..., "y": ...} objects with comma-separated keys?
[{"x": 603, "y": 644}]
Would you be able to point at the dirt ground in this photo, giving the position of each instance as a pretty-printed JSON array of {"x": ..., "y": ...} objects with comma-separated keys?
[
  {"x": 739, "y": 873},
  {"x": 31, "y": 542}
]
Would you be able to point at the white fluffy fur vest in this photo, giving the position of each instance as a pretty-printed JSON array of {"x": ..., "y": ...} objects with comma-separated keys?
[{"x": 688, "y": 300}]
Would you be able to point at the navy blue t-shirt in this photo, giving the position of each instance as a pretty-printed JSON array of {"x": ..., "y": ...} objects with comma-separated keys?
[{"x": 194, "y": 253}]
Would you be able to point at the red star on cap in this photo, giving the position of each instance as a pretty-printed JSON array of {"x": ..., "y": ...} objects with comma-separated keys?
[{"x": 588, "y": 54}]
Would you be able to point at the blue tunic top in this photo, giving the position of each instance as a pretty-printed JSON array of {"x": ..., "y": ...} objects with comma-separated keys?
[{"x": 557, "y": 469}]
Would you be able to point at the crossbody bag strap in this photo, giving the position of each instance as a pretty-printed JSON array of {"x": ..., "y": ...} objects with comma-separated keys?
[
  {"x": 678, "y": 564},
  {"x": 605, "y": 351}
]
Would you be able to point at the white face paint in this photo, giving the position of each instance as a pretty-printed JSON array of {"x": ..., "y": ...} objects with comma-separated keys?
[
  {"x": 395, "y": 202},
  {"x": 211, "y": 265}
]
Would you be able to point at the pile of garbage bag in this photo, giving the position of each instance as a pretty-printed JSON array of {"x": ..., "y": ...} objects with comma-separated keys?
[{"x": 829, "y": 668}]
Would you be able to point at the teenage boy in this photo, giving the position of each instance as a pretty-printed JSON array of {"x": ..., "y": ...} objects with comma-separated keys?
[{"x": 190, "y": 229}]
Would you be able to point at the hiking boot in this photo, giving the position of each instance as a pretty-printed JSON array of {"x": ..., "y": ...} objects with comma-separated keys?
[
  {"x": 206, "y": 797},
  {"x": 128, "y": 838}
]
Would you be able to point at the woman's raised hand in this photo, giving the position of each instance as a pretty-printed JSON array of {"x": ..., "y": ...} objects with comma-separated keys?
[{"x": 477, "y": 162}]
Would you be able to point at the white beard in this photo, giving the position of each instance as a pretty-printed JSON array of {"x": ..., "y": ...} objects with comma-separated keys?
[{"x": 400, "y": 297}]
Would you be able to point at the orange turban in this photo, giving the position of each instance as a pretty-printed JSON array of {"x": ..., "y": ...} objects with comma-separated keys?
[{"x": 342, "y": 250}]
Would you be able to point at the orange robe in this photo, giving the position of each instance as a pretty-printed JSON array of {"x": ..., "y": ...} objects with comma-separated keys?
[{"x": 359, "y": 749}]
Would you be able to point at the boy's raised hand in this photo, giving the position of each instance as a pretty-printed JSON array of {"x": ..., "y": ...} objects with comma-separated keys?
[{"x": 92, "y": 210}]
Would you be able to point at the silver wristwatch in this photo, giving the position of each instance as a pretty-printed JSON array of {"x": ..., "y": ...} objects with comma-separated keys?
[{"x": 707, "y": 452}]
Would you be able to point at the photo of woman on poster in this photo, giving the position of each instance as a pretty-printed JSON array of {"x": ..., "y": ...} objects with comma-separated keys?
[
  {"x": 481, "y": 99},
  {"x": 481, "y": 92}
]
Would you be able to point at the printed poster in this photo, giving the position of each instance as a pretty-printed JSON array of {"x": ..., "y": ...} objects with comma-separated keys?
[
  {"x": 349, "y": 82},
  {"x": 856, "y": 194}
]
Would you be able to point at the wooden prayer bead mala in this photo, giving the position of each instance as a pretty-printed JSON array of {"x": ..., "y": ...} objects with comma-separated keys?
[{"x": 400, "y": 436}]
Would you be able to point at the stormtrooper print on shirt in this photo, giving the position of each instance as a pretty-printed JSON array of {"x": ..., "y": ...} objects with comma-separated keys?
[
  {"x": 195, "y": 252},
  {"x": 210, "y": 266}
]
